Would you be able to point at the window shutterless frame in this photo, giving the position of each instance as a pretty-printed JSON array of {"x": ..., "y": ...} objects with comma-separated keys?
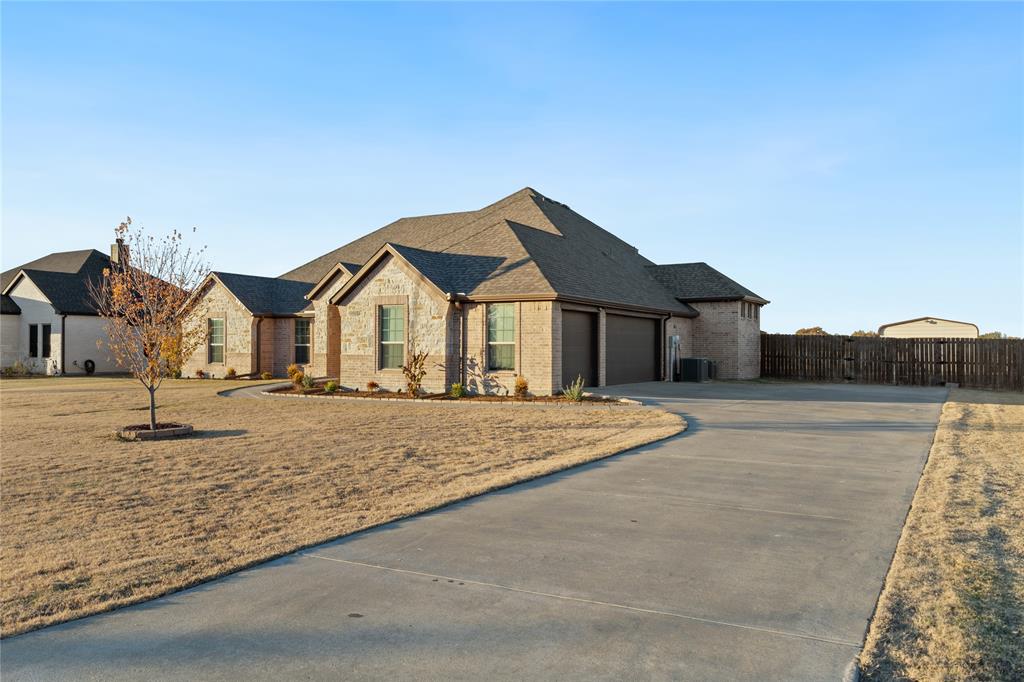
[
  {"x": 391, "y": 335},
  {"x": 215, "y": 340},
  {"x": 501, "y": 336},
  {"x": 46, "y": 340},
  {"x": 302, "y": 341},
  {"x": 33, "y": 340}
]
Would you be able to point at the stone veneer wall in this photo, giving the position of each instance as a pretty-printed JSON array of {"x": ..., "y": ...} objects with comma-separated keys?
[
  {"x": 428, "y": 320},
  {"x": 722, "y": 335},
  {"x": 327, "y": 330},
  {"x": 239, "y": 334}
]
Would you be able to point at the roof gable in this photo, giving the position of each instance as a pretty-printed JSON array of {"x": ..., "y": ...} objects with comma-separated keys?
[
  {"x": 265, "y": 296},
  {"x": 427, "y": 266},
  {"x": 339, "y": 269},
  {"x": 66, "y": 281},
  {"x": 68, "y": 262}
]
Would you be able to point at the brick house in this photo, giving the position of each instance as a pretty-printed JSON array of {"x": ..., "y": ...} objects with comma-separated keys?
[{"x": 525, "y": 286}]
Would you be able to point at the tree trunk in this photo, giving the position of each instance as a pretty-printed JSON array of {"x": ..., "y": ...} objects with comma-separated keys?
[{"x": 152, "y": 408}]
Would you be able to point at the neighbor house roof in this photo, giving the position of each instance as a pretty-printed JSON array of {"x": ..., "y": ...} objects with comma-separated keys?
[
  {"x": 269, "y": 296},
  {"x": 522, "y": 246},
  {"x": 921, "y": 319},
  {"x": 63, "y": 278},
  {"x": 694, "y": 282},
  {"x": 8, "y": 306}
]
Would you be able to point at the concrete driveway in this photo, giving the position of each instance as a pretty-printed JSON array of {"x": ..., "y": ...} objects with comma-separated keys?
[{"x": 752, "y": 547}]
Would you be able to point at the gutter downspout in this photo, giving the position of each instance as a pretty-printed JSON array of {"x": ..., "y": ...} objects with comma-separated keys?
[
  {"x": 457, "y": 300},
  {"x": 63, "y": 341},
  {"x": 259, "y": 321},
  {"x": 666, "y": 371}
]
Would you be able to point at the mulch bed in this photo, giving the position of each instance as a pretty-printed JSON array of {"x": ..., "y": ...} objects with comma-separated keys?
[{"x": 395, "y": 395}]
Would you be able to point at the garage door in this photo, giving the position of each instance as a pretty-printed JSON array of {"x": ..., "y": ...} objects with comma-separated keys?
[
  {"x": 579, "y": 347},
  {"x": 632, "y": 349}
]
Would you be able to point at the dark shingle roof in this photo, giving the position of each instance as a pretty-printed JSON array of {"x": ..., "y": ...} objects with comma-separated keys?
[
  {"x": 63, "y": 278},
  {"x": 450, "y": 272},
  {"x": 266, "y": 295},
  {"x": 8, "y": 306},
  {"x": 524, "y": 244},
  {"x": 700, "y": 282}
]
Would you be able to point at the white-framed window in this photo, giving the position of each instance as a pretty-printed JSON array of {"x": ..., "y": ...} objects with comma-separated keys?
[
  {"x": 215, "y": 339},
  {"x": 302, "y": 341},
  {"x": 392, "y": 336},
  {"x": 501, "y": 336}
]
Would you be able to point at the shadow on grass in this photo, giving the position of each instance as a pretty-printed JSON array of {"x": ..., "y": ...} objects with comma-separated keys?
[{"x": 215, "y": 433}]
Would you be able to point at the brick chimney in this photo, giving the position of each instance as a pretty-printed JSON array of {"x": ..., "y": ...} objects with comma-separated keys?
[{"x": 119, "y": 253}]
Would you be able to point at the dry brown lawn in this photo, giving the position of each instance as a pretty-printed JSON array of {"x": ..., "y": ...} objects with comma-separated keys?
[
  {"x": 90, "y": 523},
  {"x": 953, "y": 603}
]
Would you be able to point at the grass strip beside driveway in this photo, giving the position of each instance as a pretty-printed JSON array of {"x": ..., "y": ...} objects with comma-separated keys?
[
  {"x": 91, "y": 523},
  {"x": 953, "y": 603}
]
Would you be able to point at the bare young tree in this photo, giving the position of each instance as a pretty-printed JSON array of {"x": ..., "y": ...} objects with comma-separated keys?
[{"x": 145, "y": 297}]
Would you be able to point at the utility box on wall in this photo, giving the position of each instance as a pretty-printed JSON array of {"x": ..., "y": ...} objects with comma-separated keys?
[{"x": 696, "y": 369}]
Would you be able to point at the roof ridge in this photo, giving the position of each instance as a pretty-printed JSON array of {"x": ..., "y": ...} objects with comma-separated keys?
[
  {"x": 246, "y": 274},
  {"x": 670, "y": 265}
]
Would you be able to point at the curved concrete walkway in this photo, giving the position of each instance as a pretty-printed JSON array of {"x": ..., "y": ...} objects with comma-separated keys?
[
  {"x": 253, "y": 391},
  {"x": 751, "y": 548}
]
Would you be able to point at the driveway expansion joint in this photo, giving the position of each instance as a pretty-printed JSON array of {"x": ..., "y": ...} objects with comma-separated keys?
[{"x": 592, "y": 602}]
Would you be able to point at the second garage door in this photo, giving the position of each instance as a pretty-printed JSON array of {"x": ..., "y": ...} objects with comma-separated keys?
[
  {"x": 632, "y": 349},
  {"x": 579, "y": 347}
]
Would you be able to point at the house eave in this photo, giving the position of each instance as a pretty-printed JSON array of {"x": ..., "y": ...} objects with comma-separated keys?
[
  {"x": 724, "y": 299},
  {"x": 581, "y": 300}
]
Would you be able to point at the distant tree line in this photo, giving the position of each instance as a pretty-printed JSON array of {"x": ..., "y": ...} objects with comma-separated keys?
[{"x": 818, "y": 331}]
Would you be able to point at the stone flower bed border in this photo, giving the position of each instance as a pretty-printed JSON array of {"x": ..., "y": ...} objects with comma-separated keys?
[
  {"x": 590, "y": 400},
  {"x": 143, "y": 432}
]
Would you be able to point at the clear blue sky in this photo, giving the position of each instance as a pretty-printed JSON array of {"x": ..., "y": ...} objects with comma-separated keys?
[{"x": 854, "y": 163}]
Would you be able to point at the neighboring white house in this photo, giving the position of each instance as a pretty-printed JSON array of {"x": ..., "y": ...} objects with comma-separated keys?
[
  {"x": 929, "y": 328},
  {"x": 49, "y": 322}
]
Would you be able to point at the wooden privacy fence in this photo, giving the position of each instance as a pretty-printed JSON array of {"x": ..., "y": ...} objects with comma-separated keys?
[{"x": 976, "y": 363}]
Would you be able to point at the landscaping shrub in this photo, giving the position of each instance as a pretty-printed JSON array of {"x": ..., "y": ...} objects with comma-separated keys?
[
  {"x": 457, "y": 390},
  {"x": 307, "y": 382},
  {"x": 297, "y": 378},
  {"x": 522, "y": 386},
  {"x": 330, "y": 387},
  {"x": 177, "y": 373},
  {"x": 18, "y": 369},
  {"x": 230, "y": 374},
  {"x": 372, "y": 386},
  {"x": 294, "y": 369},
  {"x": 200, "y": 374},
  {"x": 414, "y": 371},
  {"x": 266, "y": 375},
  {"x": 574, "y": 391}
]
